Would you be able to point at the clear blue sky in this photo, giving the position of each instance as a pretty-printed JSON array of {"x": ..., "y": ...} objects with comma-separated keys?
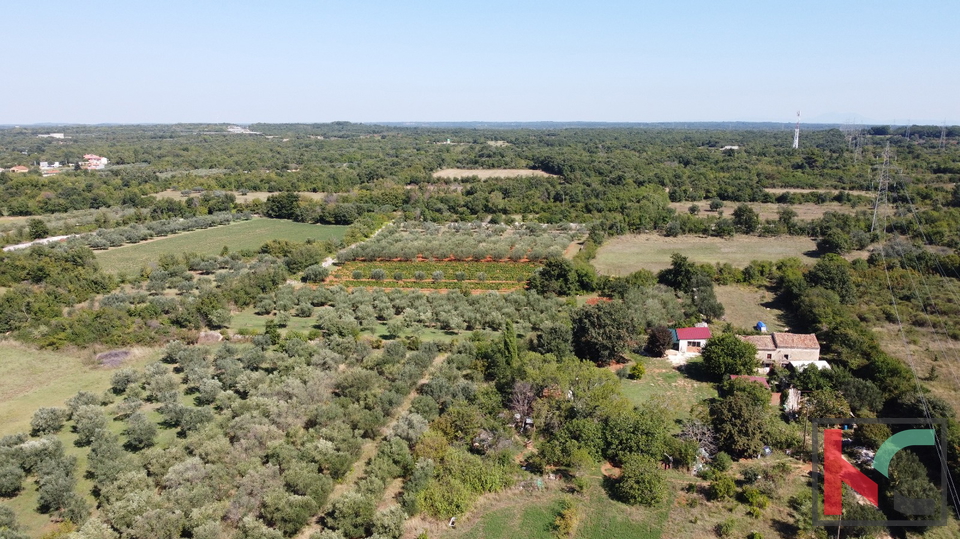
[{"x": 516, "y": 60}]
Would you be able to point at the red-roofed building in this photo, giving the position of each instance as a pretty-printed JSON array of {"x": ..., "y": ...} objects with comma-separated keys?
[
  {"x": 690, "y": 340},
  {"x": 781, "y": 348}
]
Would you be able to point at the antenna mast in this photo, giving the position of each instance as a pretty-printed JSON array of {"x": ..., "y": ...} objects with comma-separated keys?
[
  {"x": 883, "y": 183},
  {"x": 796, "y": 133}
]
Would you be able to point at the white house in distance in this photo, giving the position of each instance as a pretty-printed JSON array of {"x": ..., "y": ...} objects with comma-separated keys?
[
  {"x": 782, "y": 348},
  {"x": 95, "y": 162},
  {"x": 690, "y": 340}
]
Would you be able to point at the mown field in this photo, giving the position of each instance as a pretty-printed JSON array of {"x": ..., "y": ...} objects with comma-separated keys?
[
  {"x": 237, "y": 236},
  {"x": 476, "y": 275},
  {"x": 623, "y": 255}
]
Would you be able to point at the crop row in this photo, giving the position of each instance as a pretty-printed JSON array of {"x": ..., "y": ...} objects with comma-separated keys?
[{"x": 432, "y": 285}]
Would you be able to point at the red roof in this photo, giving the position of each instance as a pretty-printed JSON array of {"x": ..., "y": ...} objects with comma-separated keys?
[{"x": 686, "y": 334}]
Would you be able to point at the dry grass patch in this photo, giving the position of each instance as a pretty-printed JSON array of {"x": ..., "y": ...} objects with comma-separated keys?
[
  {"x": 768, "y": 210},
  {"x": 457, "y": 173},
  {"x": 745, "y": 306},
  {"x": 262, "y": 195},
  {"x": 623, "y": 255}
]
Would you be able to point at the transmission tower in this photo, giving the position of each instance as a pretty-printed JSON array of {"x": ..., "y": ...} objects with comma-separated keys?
[
  {"x": 883, "y": 183},
  {"x": 943, "y": 136},
  {"x": 796, "y": 133}
]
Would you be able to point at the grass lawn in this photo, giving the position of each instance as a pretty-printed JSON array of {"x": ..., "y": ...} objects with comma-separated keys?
[
  {"x": 664, "y": 384},
  {"x": 745, "y": 306},
  {"x": 238, "y": 235},
  {"x": 623, "y": 255},
  {"x": 36, "y": 378}
]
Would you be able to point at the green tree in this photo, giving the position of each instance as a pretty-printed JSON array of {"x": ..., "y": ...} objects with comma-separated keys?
[
  {"x": 141, "y": 432},
  {"x": 740, "y": 424},
  {"x": 602, "y": 332},
  {"x": 641, "y": 482},
  {"x": 37, "y": 229},
  {"x": 659, "y": 340},
  {"x": 726, "y": 354},
  {"x": 557, "y": 276},
  {"x": 745, "y": 219},
  {"x": 833, "y": 273}
]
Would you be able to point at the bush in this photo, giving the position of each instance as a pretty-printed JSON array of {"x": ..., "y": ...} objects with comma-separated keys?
[
  {"x": 566, "y": 522},
  {"x": 141, "y": 432},
  {"x": 316, "y": 274},
  {"x": 89, "y": 422},
  {"x": 47, "y": 421},
  {"x": 637, "y": 371},
  {"x": 722, "y": 462},
  {"x": 725, "y": 528},
  {"x": 640, "y": 482},
  {"x": 437, "y": 276},
  {"x": 357, "y": 275},
  {"x": 419, "y": 276},
  {"x": 722, "y": 487},
  {"x": 378, "y": 274},
  {"x": 398, "y": 276}
]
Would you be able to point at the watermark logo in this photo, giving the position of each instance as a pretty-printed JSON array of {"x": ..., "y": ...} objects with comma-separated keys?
[{"x": 837, "y": 471}]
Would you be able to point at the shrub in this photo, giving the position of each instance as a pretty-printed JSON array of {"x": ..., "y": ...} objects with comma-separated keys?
[
  {"x": 47, "y": 421},
  {"x": 460, "y": 276},
  {"x": 398, "y": 276},
  {"x": 357, "y": 274},
  {"x": 725, "y": 528},
  {"x": 722, "y": 462},
  {"x": 141, "y": 432},
  {"x": 378, "y": 274},
  {"x": 419, "y": 276},
  {"x": 481, "y": 276},
  {"x": 566, "y": 522},
  {"x": 641, "y": 482},
  {"x": 437, "y": 276},
  {"x": 637, "y": 371},
  {"x": 722, "y": 487},
  {"x": 316, "y": 274}
]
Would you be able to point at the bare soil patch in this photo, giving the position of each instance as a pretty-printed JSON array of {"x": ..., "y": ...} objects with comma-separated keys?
[{"x": 457, "y": 173}]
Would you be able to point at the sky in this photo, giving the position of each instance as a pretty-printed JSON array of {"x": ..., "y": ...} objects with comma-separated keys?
[{"x": 146, "y": 61}]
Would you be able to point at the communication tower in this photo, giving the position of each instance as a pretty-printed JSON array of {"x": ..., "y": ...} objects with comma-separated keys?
[{"x": 796, "y": 133}]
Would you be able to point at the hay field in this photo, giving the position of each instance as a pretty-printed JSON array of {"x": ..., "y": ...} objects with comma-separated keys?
[
  {"x": 237, "y": 236},
  {"x": 458, "y": 173},
  {"x": 623, "y": 255}
]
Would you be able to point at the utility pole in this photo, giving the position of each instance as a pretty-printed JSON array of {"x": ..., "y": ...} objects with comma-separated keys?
[
  {"x": 796, "y": 133},
  {"x": 882, "y": 185}
]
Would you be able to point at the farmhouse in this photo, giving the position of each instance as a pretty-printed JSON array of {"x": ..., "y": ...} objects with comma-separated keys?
[
  {"x": 95, "y": 162},
  {"x": 781, "y": 348},
  {"x": 19, "y": 168},
  {"x": 690, "y": 340}
]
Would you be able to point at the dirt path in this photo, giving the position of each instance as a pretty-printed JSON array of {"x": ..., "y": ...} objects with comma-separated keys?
[
  {"x": 331, "y": 260},
  {"x": 369, "y": 449}
]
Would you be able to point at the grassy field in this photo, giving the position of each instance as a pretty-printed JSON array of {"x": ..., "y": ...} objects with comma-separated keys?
[
  {"x": 623, "y": 255},
  {"x": 664, "y": 384},
  {"x": 531, "y": 514},
  {"x": 745, "y": 306},
  {"x": 239, "y": 235},
  {"x": 249, "y": 320},
  {"x": 768, "y": 210},
  {"x": 36, "y": 378}
]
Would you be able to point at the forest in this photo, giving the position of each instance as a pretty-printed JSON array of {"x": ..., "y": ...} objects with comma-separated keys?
[{"x": 457, "y": 348}]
